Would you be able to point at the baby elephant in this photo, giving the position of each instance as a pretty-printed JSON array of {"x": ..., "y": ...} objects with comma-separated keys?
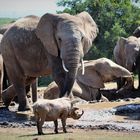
[{"x": 51, "y": 110}]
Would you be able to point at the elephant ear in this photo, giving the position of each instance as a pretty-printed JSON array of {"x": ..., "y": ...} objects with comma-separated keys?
[
  {"x": 90, "y": 30},
  {"x": 45, "y": 31},
  {"x": 91, "y": 78}
]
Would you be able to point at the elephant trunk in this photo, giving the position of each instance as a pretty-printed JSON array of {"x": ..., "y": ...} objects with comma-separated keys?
[{"x": 71, "y": 69}]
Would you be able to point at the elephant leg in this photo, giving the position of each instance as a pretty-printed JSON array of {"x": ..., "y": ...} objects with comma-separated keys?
[
  {"x": 32, "y": 81},
  {"x": 58, "y": 75},
  {"x": 120, "y": 82},
  {"x": 6, "y": 82},
  {"x": 98, "y": 95},
  {"x": 8, "y": 95},
  {"x": 22, "y": 98},
  {"x": 27, "y": 89}
]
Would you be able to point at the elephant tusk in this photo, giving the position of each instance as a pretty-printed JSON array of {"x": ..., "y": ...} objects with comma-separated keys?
[
  {"x": 134, "y": 64},
  {"x": 83, "y": 67},
  {"x": 65, "y": 69}
]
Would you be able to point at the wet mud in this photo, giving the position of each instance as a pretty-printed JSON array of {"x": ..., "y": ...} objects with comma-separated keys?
[{"x": 121, "y": 115}]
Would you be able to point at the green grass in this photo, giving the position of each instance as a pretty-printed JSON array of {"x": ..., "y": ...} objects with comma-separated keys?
[{"x": 6, "y": 20}]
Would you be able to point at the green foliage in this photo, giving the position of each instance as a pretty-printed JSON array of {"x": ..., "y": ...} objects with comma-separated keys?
[
  {"x": 114, "y": 18},
  {"x": 6, "y": 20},
  {"x": 44, "y": 81}
]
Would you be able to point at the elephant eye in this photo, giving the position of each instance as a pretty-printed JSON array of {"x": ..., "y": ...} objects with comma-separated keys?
[
  {"x": 59, "y": 39},
  {"x": 82, "y": 38}
]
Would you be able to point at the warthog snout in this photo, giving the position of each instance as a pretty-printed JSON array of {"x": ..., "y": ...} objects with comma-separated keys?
[{"x": 76, "y": 113}]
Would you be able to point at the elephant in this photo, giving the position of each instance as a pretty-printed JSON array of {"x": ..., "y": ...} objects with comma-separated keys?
[
  {"x": 53, "y": 44},
  {"x": 1, "y": 71},
  {"x": 97, "y": 72},
  {"x": 126, "y": 53},
  {"x": 136, "y": 33},
  {"x": 6, "y": 83}
]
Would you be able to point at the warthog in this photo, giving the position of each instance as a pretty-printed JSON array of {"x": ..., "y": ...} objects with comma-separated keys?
[{"x": 51, "y": 110}]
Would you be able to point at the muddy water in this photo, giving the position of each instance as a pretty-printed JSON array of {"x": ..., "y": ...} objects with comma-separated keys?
[
  {"x": 100, "y": 115},
  {"x": 103, "y": 116},
  {"x": 96, "y": 116}
]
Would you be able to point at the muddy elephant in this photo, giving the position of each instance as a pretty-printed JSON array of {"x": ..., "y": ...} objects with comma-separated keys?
[
  {"x": 136, "y": 33},
  {"x": 127, "y": 54},
  {"x": 54, "y": 43},
  {"x": 6, "y": 82},
  {"x": 97, "y": 72},
  {"x": 1, "y": 70}
]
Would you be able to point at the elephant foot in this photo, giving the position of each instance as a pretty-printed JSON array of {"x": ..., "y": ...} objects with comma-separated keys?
[
  {"x": 40, "y": 133},
  {"x": 6, "y": 101},
  {"x": 8, "y": 95},
  {"x": 23, "y": 104}
]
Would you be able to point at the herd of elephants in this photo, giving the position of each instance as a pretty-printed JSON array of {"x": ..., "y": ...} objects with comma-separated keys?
[{"x": 56, "y": 44}]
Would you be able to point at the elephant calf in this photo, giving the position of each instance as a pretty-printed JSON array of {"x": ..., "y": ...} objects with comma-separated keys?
[{"x": 51, "y": 110}]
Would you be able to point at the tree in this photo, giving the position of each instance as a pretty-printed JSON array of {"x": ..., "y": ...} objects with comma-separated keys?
[{"x": 114, "y": 19}]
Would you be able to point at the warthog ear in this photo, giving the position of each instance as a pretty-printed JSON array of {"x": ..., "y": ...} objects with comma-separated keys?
[{"x": 74, "y": 101}]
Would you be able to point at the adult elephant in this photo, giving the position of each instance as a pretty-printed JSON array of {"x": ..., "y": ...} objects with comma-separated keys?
[
  {"x": 97, "y": 72},
  {"x": 6, "y": 82},
  {"x": 127, "y": 53},
  {"x": 55, "y": 43}
]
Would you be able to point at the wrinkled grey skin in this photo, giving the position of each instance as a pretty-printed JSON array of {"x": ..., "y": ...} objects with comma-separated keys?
[
  {"x": 51, "y": 110},
  {"x": 6, "y": 82},
  {"x": 1, "y": 70},
  {"x": 97, "y": 72},
  {"x": 34, "y": 46},
  {"x": 127, "y": 53}
]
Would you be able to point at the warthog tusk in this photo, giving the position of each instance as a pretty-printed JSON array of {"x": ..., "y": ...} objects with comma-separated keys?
[
  {"x": 65, "y": 69},
  {"x": 82, "y": 112}
]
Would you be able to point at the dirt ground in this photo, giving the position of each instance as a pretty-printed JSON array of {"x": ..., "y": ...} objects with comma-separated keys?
[
  {"x": 73, "y": 134},
  {"x": 102, "y": 120}
]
